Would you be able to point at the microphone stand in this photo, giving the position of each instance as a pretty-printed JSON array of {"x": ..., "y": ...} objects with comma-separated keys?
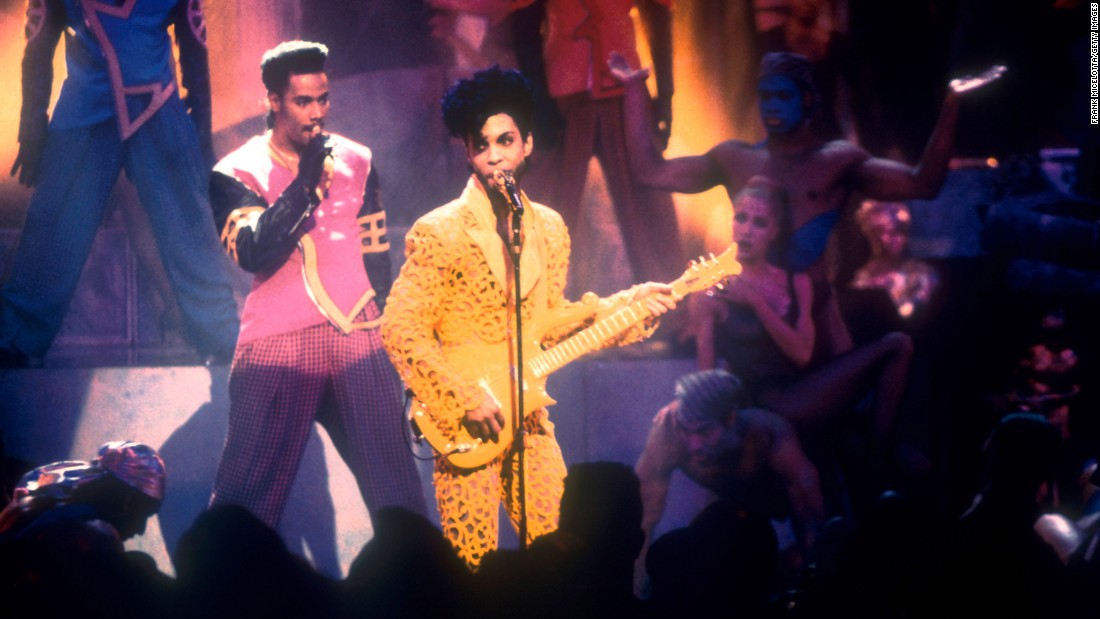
[{"x": 516, "y": 247}]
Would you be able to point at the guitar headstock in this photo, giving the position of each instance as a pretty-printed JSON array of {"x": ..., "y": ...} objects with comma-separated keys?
[{"x": 706, "y": 272}]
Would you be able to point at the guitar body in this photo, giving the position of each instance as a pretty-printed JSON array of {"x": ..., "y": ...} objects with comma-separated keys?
[{"x": 489, "y": 365}]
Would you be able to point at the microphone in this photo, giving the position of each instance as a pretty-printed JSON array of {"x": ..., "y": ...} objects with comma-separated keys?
[
  {"x": 513, "y": 194},
  {"x": 328, "y": 166}
]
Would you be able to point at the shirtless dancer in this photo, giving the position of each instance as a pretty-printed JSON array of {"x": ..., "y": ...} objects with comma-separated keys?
[
  {"x": 746, "y": 455},
  {"x": 817, "y": 175}
]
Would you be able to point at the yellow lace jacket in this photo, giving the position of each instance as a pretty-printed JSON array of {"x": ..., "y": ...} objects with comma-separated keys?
[{"x": 452, "y": 291}]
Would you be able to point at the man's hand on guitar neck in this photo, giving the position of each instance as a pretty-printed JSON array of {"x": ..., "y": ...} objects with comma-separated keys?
[
  {"x": 659, "y": 298},
  {"x": 486, "y": 421}
]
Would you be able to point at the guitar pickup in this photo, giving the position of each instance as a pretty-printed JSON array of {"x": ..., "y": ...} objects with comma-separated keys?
[{"x": 462, "y": 448}]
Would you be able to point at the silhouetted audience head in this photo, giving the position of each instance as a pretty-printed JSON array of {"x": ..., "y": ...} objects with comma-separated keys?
[
  {"x": 230, "y": 564},
  {"x": 994, "y": 554},
  {"x": 407, "y": 569},
  {"x": 585, "y": 568},
  {"x": 1022, "y": 453},
  {"x": 726, "y": 559},
  {"x": 877, "y": 565},
  {"x": 552, "y": 577},
  {"x": 602, "y": 505}
]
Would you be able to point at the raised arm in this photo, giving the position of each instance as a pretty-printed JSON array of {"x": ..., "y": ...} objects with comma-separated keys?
[
  {"x": 195, "y": 71},
  {"x": 884, "y": 179},
  {"x": 259, "y": 237},
  {"x": 45, "y": 23},
  {"x": 656, "y": 19},
  {"x": 796, "y": 342},
  {"x": 648, "y": 166}
]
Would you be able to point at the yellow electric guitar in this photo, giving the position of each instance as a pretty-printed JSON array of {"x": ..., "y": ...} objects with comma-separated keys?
[{"x": 490, "y": 365}]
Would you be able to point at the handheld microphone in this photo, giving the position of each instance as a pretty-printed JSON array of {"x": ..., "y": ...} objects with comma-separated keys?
[
  {"x": 329, "y": 165},
  {"x": 513, "y": 193}
]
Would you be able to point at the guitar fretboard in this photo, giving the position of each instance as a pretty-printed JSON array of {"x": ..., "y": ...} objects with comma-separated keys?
[
  {"x": 698, "y": 277},
  {"x": 592, "y": 338}
]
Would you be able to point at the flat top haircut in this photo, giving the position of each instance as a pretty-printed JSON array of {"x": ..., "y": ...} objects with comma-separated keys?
[
  {"x": 291, "y": 58},
  {"x": 468, "y": 103}
]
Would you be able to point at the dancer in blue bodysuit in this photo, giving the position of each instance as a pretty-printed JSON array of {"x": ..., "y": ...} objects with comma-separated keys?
[{"x": 119, "y": 109}]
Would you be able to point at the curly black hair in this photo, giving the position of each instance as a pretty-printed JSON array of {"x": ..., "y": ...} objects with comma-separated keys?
[{"x": 468, "y": 103}]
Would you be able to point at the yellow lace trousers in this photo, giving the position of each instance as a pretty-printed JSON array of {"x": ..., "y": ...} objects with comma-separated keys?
[{"x": 469, "y": 501}]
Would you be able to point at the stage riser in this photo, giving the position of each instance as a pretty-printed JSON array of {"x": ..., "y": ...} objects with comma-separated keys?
[{"x": 603, "y": 413}]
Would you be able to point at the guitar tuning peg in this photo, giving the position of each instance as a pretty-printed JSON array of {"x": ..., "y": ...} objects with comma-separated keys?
[
  {"x": 720, "y": 285},
  {"x": 712, "y": 258}
]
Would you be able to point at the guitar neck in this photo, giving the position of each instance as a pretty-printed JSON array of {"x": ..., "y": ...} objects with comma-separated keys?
[
  {"x": 590, "y": 339},
  {"x": 698, "y": 277}
]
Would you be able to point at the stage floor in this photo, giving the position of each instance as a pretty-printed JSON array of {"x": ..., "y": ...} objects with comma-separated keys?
[{"x": 604, "y": 409}]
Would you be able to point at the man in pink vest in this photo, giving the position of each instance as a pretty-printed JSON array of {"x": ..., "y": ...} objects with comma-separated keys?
[{"x": 301, "y": 210}]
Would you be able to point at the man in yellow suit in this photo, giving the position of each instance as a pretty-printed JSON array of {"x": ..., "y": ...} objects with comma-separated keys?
[{"x": 455, "y": 295}]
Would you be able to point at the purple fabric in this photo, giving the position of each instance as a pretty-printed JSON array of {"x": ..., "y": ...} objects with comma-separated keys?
[{"x": 279, "y": 385}]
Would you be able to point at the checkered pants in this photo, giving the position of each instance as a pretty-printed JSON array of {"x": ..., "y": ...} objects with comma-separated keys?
[{"x": 280, "y": 385}]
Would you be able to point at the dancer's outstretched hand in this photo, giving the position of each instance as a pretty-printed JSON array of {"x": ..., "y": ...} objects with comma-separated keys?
[{"x": 967, "y": 83}]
